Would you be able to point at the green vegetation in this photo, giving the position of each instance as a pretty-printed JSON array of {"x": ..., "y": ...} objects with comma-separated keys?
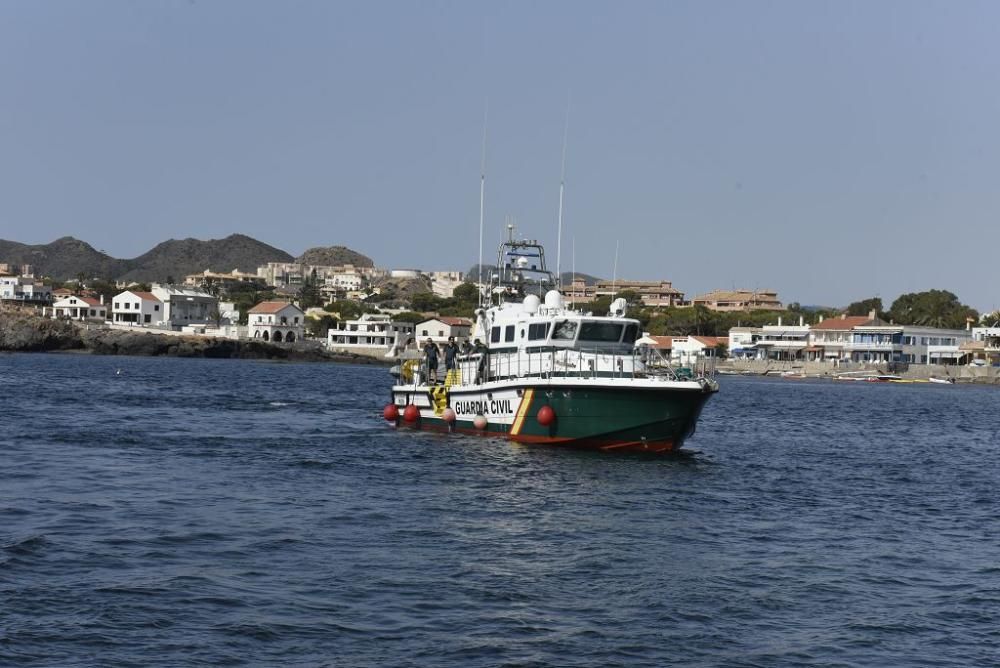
[
  {"x": 866, "y": 306},
  {"x": 463, "y": 303},
  {"x": 309, "y": 296},
  {"x": 247, "y": 295},
  {"x": 318, "y": 327},
  {"x": 349, "y": 310},
  {"x": 409, "y": 316},
  {"x": 933, "y": 308}
]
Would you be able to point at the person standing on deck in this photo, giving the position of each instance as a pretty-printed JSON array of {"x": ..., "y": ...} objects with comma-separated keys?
[
  {"x": 450, "y": 353},
  {"x": 431, "y": 353},
  {"x": 480, "y": 348}
]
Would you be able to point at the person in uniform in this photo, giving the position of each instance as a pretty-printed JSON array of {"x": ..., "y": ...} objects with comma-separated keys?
[
  {"x": 450, "y": 355},
  {"x": 431, "y": 355}
]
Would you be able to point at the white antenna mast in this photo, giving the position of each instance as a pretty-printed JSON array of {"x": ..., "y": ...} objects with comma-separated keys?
[
  {"x": 573, "y": 284},
  {"x": 562, "y": 184},
  {"x": 614, "y": 273},
  {"x": 482, "y": 202}
]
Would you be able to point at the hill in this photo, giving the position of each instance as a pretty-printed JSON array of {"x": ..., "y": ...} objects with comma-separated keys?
[
  {"x": 401, "y": 289},
  {"x": 332, "y": 256},
  {"x": 177, "y": 257},
  {"x": 68, "y": 258},
  {"x": 63, "y": 259}
]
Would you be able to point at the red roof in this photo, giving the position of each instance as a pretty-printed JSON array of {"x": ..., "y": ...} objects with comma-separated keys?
[
  {"x": 454, "y": 322},
  {"x": 91, "y": 301},
  {"x": 269, "y": 307},
  {"x": 711, "y": 341},
  {"x": 145, "y": 295},
  {"x": 850, "y": 322},
  {"x": 663, "y": 342}
]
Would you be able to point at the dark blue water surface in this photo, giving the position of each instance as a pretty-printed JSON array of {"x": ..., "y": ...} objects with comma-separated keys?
[{"x": 203, "y": 512}]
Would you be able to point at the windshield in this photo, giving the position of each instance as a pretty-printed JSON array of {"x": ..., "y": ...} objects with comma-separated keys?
[{"x": 603, "y": 332}]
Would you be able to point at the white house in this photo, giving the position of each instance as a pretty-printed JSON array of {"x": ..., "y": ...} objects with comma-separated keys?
[
  {"x": 743, "y": 343},
  {"x": 782, "y": 342},
  {"x": 868, "y": 339},
  {"x": 276, "y": 321},
  {"x": 691, "y": 349},
  {"x": 79, "y": 308},
  {"x": 186, "y": 306},
  {"x": 372, "y": 333},
  {"x": 24, "y": 288},
  {"x": 135, "y": 307},
  {"x": 440, "y": 328},
  {"x": 984, "y": 347}
]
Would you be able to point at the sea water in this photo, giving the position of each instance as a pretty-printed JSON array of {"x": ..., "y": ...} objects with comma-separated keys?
[{"x": 176, "y": 512}]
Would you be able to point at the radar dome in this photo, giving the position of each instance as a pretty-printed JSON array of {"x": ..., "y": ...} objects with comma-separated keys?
[
  {"x": 553, "y": 299},
  {"x": 531, "y": 304}
]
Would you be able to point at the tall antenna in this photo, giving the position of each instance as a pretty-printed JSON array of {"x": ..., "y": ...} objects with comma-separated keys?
[
  {"x": 562, "y": 185},
  {"x": 482, "y": 202},
  {"x": 573, "y": 284},
  {"x": 614, "y": 273}
]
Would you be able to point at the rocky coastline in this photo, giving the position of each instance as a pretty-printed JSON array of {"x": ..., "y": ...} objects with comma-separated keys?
[{"x": 22, "y": 331}]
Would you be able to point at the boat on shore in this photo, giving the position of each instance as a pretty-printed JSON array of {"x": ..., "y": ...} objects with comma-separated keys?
[{"x": 547, "y": 373}]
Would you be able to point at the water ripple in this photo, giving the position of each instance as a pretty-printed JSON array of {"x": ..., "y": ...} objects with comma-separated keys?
[{"x": 223, "y": 512}]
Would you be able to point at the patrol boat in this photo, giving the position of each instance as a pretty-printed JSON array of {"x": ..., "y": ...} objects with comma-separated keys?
[{"x": 547, "y": 373}]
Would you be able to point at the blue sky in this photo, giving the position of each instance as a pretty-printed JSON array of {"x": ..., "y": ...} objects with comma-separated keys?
[{"x": 829, "y": 150}]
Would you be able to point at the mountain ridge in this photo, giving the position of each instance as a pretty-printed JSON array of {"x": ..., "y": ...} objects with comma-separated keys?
[{"x": 70, "y": 258}]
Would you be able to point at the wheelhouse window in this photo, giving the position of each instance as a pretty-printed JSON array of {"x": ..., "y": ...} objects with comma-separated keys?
[
  {"x": 602, "y": 332},
  {"x": 508, "y": 333},
  {"x": 631, "y": 333},
  {"x": 538, "y": 331},
  {"x": 495, "y": 335},
  {"x": 565, "y": 330}
]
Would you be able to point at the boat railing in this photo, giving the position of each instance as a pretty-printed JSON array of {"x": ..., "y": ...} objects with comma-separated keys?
[{"x": 558, "y": 362}]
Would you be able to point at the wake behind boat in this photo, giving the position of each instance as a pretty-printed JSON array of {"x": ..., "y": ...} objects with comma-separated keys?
[{"x": 546, "y": 373}]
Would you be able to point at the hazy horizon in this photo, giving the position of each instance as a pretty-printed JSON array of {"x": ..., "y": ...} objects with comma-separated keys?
[{"x": 831, "y": 152}]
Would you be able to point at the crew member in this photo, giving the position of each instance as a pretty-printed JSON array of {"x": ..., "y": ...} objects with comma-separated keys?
[{"x": 431, "y": 353}]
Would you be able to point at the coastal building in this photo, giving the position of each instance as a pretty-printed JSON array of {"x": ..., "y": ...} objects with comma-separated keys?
[
  {"x": 860, "y": 339},
  {"x": 228, "y": 313},
  {"x": 686, "y": 350},
  {"x": 443, "y": 283},
  {"x": 78, "y": 308},
  {"x": 276, "y": 322},
  {"x": 282, "y": 273},
  {"x": 440, "y": 328},
  {"x": 209, "y": 279},
  {"x": 24, "y": 289},
  {"x": 404, "y": 273},
  {"x": 137, "y": 308},
  {"x": 294, "y": 274},
  {"x": 739, "y": 300},
  {"x": 743, "y": 343},
  {"x": 984, "y": 346},
  {"x": 372, "y": 334},
  {"x": 651, "y": 293},
  {"x": 186, "y": 306},
  {"x": 662, "y": 345},
  {"x": 13, "y": 269},
  {"x": 782, "y": 342},
  {"x": 868, "y": 339}
]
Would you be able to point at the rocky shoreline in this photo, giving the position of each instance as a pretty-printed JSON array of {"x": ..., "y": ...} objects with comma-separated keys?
[{"x": 28, "y": 332}]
